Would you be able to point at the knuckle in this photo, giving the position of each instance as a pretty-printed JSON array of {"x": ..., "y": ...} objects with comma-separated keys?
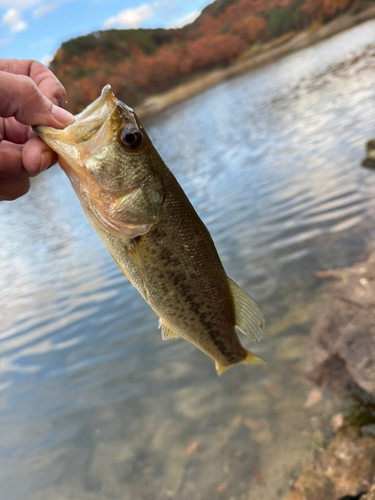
[
  {"x": 48, "y": 83},
  {"x": 26, "y": 90},
  {"x": 26, "y": 84},
  {"x": 29, "y": 92},
  {"x": 5, "y": 160}
]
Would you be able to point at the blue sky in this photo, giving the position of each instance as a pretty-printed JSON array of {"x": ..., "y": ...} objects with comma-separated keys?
[{"x": 34, "y": 29}]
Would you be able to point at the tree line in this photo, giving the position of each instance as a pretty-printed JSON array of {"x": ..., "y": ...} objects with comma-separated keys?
[{"x": 139, "y": 63}]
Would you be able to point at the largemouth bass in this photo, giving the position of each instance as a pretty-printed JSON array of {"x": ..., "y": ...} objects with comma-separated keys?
[{"x": 152, "y": 231}]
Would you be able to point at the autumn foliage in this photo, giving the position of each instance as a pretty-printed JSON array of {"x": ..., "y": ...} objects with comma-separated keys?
[
  {"x": 252, "y": 29},
  {"x": 138, "y": 63}
]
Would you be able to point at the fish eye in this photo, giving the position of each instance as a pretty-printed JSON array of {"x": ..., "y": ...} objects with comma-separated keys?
[{"x": 130, "y": 137}]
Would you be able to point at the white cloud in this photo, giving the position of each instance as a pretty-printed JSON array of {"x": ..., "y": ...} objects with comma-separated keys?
[
  {"x": 13, "y": 19},
  {"x": 130, "y": 18},
  {"x": 183, "y": 21},
  {"x": 46, "y": 60},
  {"x": 43, "y": 10}
]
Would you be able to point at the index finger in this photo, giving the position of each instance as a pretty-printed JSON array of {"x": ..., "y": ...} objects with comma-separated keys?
[
  {"x": 44, "y": 79},
  {"x": 21, "y": 98}
]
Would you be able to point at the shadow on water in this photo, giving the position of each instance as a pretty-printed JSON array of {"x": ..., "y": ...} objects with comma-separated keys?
[{"x": 93, "y": 404}]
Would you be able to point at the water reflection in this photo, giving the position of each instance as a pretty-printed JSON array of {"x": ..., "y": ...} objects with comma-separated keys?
[{"x": 93, "y": 404}]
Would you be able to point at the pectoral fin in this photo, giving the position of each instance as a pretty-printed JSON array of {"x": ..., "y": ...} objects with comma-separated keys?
[
  {"x": 167, "y": 332},
  {"x": 134, "y": 252},
  {"x": 248, "y": 316}
]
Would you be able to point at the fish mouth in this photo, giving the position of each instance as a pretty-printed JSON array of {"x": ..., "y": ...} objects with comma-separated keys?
[
  {"x": 72, "y": 143},
  {"x": 90, "y": 120},
  {"x": 99, "y": 107}
]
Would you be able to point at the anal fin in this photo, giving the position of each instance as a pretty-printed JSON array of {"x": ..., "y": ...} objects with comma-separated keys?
[
  {"x": 249, "y": 318},
  {"x": 167, "y": 332},
  {"x": 252, "y": 359},
  {"x": 220, "y": 369}
]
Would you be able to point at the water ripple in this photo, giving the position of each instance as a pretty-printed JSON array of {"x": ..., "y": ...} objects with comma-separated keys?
[{"x": 271, "y": 162}]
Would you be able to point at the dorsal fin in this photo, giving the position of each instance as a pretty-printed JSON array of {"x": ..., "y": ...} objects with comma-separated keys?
[
  {"x": 249, "y": 318},
  {"x": 167, "y": 332}
]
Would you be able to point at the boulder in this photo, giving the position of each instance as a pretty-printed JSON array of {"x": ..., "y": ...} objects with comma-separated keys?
[
  {"x": 345, "y": 470},
  {"x": 370, "y": 495},
  {"x": 341, "y": 353}
]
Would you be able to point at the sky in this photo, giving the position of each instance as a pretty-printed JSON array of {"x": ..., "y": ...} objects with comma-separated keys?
[{"x": 34, "y": 29}]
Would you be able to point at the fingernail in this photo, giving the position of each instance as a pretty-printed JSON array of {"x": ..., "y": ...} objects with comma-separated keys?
[
  {"x": 46, "y": 162},
  {"x": 62, "y": 115},
  {"x": 56, "y": 101}
]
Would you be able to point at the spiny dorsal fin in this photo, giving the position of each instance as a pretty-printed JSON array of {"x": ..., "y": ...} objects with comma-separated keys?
[
  {"x": 166, "y": 332},
  {"x": 249, "y": 318}
]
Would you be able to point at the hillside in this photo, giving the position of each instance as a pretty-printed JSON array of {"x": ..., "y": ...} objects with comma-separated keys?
[{"x": 139, "y": 63}]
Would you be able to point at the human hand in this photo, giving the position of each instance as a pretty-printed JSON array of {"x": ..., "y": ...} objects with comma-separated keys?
[{"x": 30, "y": 95}]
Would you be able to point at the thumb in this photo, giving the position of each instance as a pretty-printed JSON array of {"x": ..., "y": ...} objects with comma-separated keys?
[{"x": 21, "y": 98}]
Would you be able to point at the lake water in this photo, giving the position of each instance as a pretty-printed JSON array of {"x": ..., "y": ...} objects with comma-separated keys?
[{"x": 93, "y": 404}]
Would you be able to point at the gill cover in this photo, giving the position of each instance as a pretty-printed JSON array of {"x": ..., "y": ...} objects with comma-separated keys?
[{"x": 106, "y": 156}]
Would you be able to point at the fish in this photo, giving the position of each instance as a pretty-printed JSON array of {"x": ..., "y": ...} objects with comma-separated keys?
[{"x": 150, "y": 228}]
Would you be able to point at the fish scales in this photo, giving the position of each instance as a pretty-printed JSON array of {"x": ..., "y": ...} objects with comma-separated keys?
[
  {"x": 153, "y": 232},
  {"x": 189, "y": 289}
]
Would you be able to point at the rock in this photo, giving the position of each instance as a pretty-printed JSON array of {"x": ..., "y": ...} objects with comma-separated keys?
[
  {"x": 346, "y": 469},
  {"x": 349, "y": 462},
  {"x": 313, "y": 398},
  {"x": 337, "y": 421},
  {"x": 370, "y": 495},
  {"x": 341, "y": 352},
  {"x": 369, "y": 161},
  {"x": 315, "y": 485},
  {"x": 296, "y": 495}
]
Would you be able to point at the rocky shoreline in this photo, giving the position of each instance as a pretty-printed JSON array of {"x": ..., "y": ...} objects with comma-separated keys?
[
  {"x": 344, "y": 471},
  {"x": 341, "y": 357}
]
